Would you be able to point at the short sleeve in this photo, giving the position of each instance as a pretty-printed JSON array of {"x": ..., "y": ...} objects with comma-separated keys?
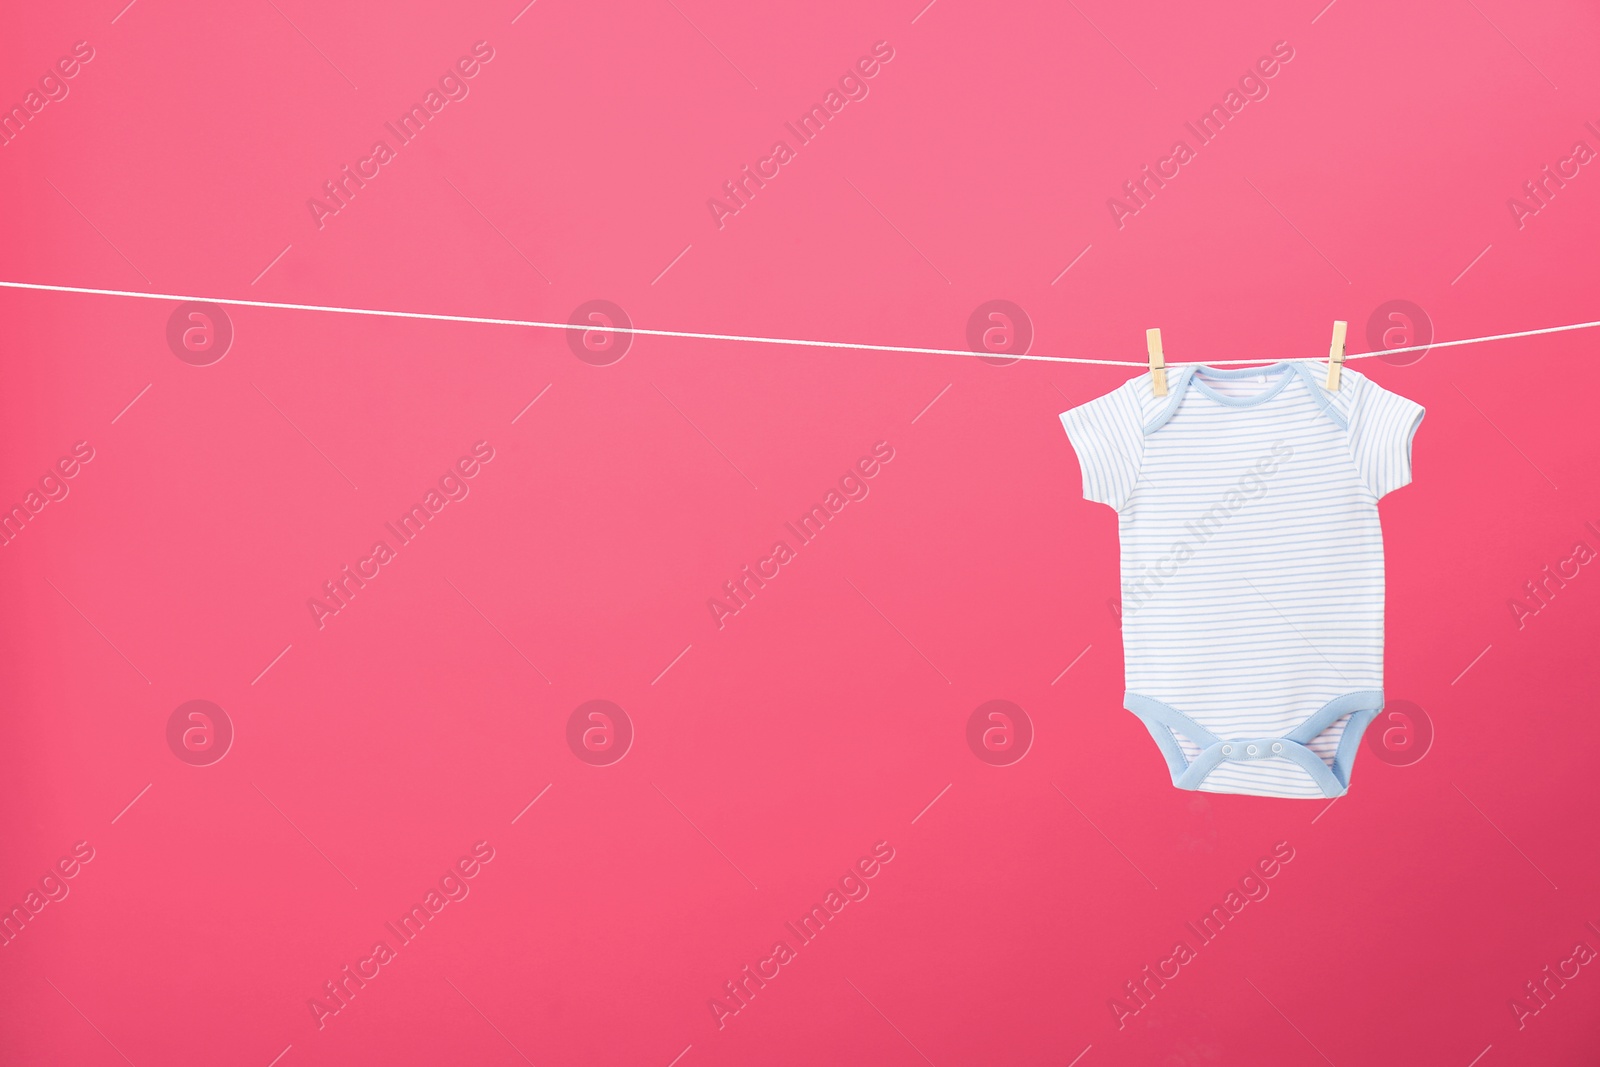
[
  {"x": 1108, "y": 436},
  {"x": 1382, "y": 425}
]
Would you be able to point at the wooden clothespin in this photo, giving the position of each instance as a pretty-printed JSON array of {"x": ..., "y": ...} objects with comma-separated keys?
[
  {"x": 1158, "y": 363},
  {"x": 1336, "y": 356}
]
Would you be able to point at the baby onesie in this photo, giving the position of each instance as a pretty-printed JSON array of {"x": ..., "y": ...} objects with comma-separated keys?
[{"x": 1252, "y": 565}]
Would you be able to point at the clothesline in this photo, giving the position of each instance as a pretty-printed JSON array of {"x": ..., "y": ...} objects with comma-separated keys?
[{"x": 798, "y": 342}]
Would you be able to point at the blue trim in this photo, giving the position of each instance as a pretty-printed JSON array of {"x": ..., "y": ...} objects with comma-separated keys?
[
  {"x": 1167, "y": 743},
  {"x": 1284, "y": 370},
  {"x": 1179, "y": 381},
  {"x": 1344, "y": 759},
  {"x": 1176, "y": 384},
  {"x": 1320, "y": 392},
  {"x": 1164, "y": 722}
]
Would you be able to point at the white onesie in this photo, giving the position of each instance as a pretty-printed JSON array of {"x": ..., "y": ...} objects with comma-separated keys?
[{"x": 1252, "y": 565}]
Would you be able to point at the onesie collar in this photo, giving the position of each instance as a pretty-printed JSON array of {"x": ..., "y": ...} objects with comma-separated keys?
[{"x": 1284, "y": 369}]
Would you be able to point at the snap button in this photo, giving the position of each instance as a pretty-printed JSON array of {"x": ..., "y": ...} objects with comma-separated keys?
[
  {"x": 1227, "y": 750},
  {"x": 1277, "y": 748},
  {"x": 1252, "y": 750}
]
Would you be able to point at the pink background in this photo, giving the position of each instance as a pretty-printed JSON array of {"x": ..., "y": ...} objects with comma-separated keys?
[{"x": 831, "y": 712}]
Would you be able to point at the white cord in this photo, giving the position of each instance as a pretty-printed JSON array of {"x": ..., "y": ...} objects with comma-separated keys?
[{"x": 752, "y": 340}]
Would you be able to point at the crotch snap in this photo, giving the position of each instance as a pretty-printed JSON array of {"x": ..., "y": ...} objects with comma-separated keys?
[{"x": 1258, "y": 748}]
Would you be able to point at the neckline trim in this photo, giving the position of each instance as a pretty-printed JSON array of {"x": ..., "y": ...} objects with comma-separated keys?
[{"x": 1283, "y": 369}]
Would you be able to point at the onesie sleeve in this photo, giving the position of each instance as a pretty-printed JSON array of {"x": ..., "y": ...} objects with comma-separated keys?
[
  {"x": 1108, "y": 436},
  {"x": 1382, "y": 425}
]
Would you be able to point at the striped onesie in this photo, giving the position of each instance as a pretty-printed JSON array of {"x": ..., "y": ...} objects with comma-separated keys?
[{"x": 1252, "y": 565}]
